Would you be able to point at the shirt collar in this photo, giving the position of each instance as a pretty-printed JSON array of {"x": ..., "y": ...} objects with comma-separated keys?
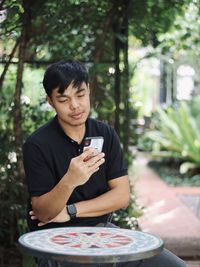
[{"x": 60, "y": 129}]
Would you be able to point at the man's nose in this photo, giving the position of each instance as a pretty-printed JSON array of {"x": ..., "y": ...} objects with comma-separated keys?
[{"x": 73, "y": 104}]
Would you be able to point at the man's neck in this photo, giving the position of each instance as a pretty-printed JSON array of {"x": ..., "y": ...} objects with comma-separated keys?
[{"x": 74, "y": 132}]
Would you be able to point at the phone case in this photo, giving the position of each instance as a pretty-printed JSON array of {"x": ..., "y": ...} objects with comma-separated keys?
[{"x": 94, "y": 142}]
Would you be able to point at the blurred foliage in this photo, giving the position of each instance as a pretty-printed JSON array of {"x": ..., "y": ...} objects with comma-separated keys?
[
  {"x": 13, "y": 191},
  {"x": 57, "y": 31},
  {"x": 195, "y": 110},
  {"x": 144, "y": 143},
  {"x": 184, "y": 33},
  {"x": 151, "y": 18},
  {"x": 176, "y": 135},
  {"x": 168, "y": 170},
  {"x": 128, "y": 218}
]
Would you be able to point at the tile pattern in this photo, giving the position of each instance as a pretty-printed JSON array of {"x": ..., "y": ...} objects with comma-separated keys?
[{"x": 90, "y": 241}]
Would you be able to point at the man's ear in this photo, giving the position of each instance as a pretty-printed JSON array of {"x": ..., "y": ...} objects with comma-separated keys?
[
  {"x": 89, "y": 88},
  {"x": 50, "y": 101}
]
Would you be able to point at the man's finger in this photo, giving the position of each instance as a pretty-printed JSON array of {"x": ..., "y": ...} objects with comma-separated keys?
[
  {"x": 96, "y": 160},
  {"x": 96, "y": 166},
  {"x": 87, "y": 153},
  {"x": 41, "y": 224}
]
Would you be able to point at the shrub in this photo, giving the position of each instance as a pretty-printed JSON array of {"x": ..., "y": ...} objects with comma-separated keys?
[{"x": 177, "y": 136}]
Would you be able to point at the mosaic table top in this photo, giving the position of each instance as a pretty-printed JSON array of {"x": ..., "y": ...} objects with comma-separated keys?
[{"x": 91, "y": 244}]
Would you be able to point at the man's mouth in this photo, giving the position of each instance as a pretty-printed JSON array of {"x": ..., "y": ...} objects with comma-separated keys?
[{"x": 77, "y": 115}]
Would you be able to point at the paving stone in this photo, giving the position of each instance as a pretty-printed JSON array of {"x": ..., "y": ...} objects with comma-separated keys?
[
  {"x": 193, "y": 263},
  {"x": 193, "y": 203}
]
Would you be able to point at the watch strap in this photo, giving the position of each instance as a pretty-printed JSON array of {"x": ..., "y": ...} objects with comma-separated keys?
[{"x": 71, "y": 209}]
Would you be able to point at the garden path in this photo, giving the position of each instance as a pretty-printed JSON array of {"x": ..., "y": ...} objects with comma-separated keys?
[{"x": 166, "y": 214}]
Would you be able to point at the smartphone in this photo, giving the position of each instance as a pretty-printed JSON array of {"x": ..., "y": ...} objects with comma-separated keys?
[{"x": 94, "y": 142}]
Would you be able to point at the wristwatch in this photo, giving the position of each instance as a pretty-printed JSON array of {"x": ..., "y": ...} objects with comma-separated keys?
[{"x": 71, "y": 209}]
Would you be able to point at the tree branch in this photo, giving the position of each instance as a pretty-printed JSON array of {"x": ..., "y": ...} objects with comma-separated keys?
[{"x": 8, "y": 63}]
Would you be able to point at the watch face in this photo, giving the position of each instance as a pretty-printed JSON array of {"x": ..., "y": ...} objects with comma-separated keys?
[{"x": 71, "y": 210}]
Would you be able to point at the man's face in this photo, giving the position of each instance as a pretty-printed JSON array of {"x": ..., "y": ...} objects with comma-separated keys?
[{"x": 73, "y": 106}]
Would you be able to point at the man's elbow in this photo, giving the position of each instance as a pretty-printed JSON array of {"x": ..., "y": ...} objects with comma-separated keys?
[
  {"x": 39, "y": 212},
  {"x": 125, "y": 201},
  {"x": 39, "y": 215}
]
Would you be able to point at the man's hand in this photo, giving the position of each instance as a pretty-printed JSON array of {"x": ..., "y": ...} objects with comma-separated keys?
[
  {"x": 63, "y": 216},
  {"x": 83, "y": 166}
]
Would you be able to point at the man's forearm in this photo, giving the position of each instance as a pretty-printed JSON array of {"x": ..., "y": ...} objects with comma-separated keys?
[
  {"x": 104, "y": 204},
  {"x": 47, "y": 206}
]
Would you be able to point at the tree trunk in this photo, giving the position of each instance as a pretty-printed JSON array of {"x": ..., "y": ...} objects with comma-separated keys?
[
  {"x": 118, "y": 75},
  {"x": 99, "y": 49},
  {"x": 126, "y": 77},
  {"x": 122, "y": 78},
  {"x": 117, "y": 93},
  {"x": 17, "y": 117},
  {"x": 163, "y": 82},
  {"x": 172, "y": 85}
]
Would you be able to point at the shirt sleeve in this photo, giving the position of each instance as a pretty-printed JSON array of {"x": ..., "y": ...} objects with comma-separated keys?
[
  {"x": 115, "y": 166},
  {"x": 39, "y": 175}
]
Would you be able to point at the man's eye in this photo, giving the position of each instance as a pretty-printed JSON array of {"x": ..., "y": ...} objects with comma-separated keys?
[
  {"x": 80, "y": 95},
  {"x": 62, "y": 101}
]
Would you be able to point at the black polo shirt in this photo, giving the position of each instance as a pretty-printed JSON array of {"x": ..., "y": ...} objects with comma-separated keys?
[{"x": 47, "y": 155}]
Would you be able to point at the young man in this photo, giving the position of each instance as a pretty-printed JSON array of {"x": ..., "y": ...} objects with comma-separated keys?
[{"x": 70, "y": 186}]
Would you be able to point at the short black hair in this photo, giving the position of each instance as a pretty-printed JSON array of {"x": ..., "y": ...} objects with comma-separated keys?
[{"x": 61, "y": 74}]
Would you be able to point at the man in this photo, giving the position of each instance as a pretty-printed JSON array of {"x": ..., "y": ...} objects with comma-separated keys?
[{"x": 70, "y": 186}]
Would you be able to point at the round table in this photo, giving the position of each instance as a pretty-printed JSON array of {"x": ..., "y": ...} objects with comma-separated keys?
[{"x": 91, "y": 244}]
